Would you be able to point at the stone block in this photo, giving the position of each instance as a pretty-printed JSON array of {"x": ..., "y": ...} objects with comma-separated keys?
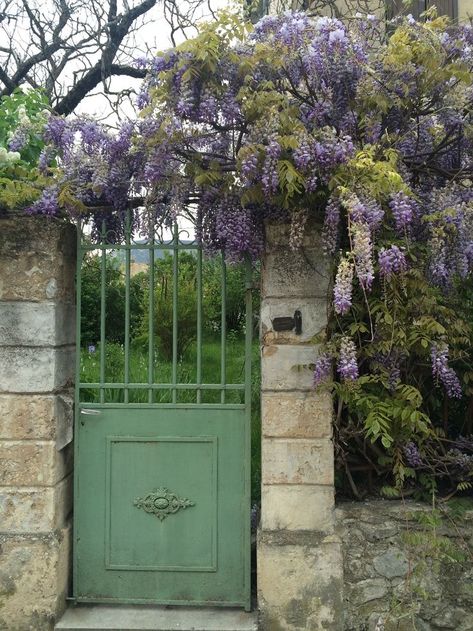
[
  {"x": 36, "y": 369},
  {"x": 368, "y": 590},
  {"x": 36, "y": 509},
  {"x": 314, "y": 319},
  {"x": 392, "y": 563},
  {"x": 299, "y": 583},
  {"x": 34, "y": 578},
  {"x": 37, "y": 259},
  {"x": 33, "y": 463},
  {"x": 278, "y": 234},
  {"x": 297, "y": 414},
  {"x": 297, "y": 461},
  {"x": 294, "y": 507},
  {"x": 295, "y": 274},
  {"x": 36, "y": 324},
  {"x": 38, "y": 417},
  {"x": 287, "y": 367}
]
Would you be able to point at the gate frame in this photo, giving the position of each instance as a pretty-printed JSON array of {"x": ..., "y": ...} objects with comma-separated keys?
[{"x": 175, "y": 247}]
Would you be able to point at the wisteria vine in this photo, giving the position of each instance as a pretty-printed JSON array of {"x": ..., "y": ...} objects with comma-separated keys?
[{"x": 303, "y": 119}]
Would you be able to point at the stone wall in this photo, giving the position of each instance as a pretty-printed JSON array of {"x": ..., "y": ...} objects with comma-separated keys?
[
  {"x": 37, "y": 258},
  {"x": 400, "y": 574},
  {"x": 299, "y": 556}
]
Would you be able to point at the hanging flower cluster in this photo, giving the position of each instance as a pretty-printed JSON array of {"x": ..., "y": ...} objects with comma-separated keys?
[{"x": 301, "y": 119}]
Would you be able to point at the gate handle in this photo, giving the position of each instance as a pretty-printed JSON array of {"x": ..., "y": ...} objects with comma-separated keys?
[{"x": 91, "y": 412}]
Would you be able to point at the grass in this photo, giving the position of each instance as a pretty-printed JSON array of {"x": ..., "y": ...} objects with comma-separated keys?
[{"x": 186, "y": 373}]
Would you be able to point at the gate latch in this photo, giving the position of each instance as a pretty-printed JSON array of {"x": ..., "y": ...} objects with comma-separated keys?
[
  {"x": 89, "y": 411},
  {"x": 287, "y": 323}
]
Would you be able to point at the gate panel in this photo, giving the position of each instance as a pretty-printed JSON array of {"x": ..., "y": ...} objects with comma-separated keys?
[{"x": 162, "y": 475}]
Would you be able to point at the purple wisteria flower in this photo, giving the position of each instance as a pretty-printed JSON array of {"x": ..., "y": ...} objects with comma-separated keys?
[
  {"x": 331, "y": 228},
  {"x": 249, "y": 169},
  {"x": 322, "y": 368},
  {"x": 347, "y": 365},
  {"x": 363, "y": 250},
  {"x": 19, "y": 140},
  {"x": 443, "y": 373},
  {"x": 391, "y": 260},
  {"x": 47, "y": 204},
  {"x": 413, "y": 457},
  {"x": 269, "y": 177},
  {"x": 343, "y": 288},
  {"x": 403, "y": 209}
]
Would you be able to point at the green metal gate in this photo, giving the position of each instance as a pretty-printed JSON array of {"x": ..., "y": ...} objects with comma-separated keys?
[{"x": 162, "y": 465}]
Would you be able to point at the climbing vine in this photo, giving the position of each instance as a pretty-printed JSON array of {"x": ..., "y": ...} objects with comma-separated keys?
[{"x": 299, "y": 119}]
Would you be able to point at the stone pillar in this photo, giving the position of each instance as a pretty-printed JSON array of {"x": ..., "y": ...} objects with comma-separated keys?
[
  {"x": 299, "y": 556},
  {"x": 37, "y": 333}
]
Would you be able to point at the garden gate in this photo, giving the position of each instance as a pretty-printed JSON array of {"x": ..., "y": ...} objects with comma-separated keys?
[{"x": 162, "y": 452}]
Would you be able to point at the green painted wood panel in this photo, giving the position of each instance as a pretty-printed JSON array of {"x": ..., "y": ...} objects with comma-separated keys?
[{"x": 195, "y": 555}]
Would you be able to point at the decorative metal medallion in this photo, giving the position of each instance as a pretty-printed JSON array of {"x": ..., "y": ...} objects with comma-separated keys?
[{"x": 162, "y": 503}]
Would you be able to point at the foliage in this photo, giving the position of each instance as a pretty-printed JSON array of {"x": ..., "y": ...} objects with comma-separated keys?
[
  {"x": 163, "y": 302},
  {"x": 114, "y": 301},
  {"x": 22, "y": 117},
  {"x": 302, "y": 118}
]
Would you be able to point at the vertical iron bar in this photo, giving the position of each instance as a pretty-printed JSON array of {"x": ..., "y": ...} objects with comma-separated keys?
[
  {"x": 151, "y": 313},
  {"x": 248, "y": 387},
  {"x": 127, "y": 304},
  {"x": 175, "y": 290},
  {"x": 223, "y": 327},
  {"x": 79, "y": 255},
  {"x": 199, "y": 324},
  {"x": 103, "y": 304}
]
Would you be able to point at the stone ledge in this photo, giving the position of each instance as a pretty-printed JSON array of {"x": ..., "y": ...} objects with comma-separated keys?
[{"x": 142, "y": 618}]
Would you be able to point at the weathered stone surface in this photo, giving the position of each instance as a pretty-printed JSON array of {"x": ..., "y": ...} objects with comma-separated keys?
[
  {"x": 409, "y": 587},
  {"x": 300, "y": 586},
  {"x": 27, "y": 416},
  {"x": 40, "y": 417},
  {"x": 308, "y": 507},
  {"x": 278, "y": 234},
  {"x": 297, "y": 414},
  {"x": 37, "y": 259},
  {"x": 299, "y": 273},
  {"x": 37, "y": 264},
  {"x": 33, "y": 463},
  {"x": 33, "y": 578},
  {"x": 288, "y": 367},
  {"x": 36, "y": 323},
  {"x": 369, "y": 589},
  {"x": 297, "y": 461},
  {"x": 35, "y": 509},
  {"x": 391, "y": 563},
  {"x": 314, "y": 319},
  {"x": 36, "y": 369}
]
